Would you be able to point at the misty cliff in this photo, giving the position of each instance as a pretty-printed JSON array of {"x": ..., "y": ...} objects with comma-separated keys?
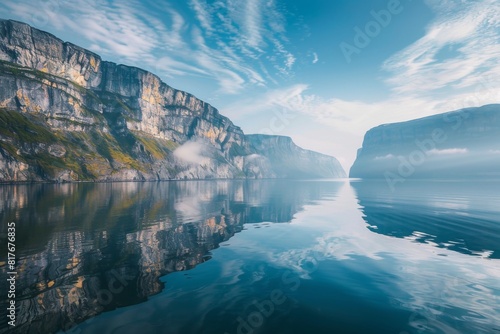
[
  {"x": 67, "y": 115},
  {"x": 289, "y": 160},
  {"x": 459, "y": 144}
]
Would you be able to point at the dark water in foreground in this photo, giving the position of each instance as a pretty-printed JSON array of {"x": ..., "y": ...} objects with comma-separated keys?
[{"x": 255, "y": 257}]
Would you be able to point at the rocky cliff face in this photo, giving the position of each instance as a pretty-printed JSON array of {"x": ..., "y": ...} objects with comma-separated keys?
[
  {"x": 67, "y": 115},
  {"x": 458, "y": 144},
  {"x": 289, "y": 160}
]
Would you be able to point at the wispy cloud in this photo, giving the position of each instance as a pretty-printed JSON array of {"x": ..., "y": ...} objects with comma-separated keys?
[
  {"x": 459, "y": 49},
  {"x": 448, "y": 151},
  {"x": 203, "y": 15},
  {"x": 288, "y": 98},
  {"x": 315, "y": 58},
  {"x": 253, "y": 23},
  {"x": 247, "y": 32},
  {"x": 226, "y": 42},
  {"x": 459, "y": 53},
  {"x": 192, "y": 152},
  {"x": 351, "y": 116},
  {"x": 456, "y": 64},
  {"x": 385, "y": 157}
]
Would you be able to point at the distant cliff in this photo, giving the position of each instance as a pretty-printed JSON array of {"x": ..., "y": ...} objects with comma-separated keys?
[
  {"x": 67, "y": 115},
  {"x": 289, "y": 160},
  {"x": 459, "y": 144}
]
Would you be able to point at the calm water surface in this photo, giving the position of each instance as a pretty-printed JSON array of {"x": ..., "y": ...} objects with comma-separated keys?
[{"x": 255, "y": 257}]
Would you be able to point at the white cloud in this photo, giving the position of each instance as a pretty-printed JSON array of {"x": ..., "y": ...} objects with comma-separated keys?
[
  {"x": 289, "y": 61},
  {"x": 385, "y": 157},
  {"x": 289, "y": 98},
  {"x": 247, "y": 33},
  {"x": 315, "y": 58},
  {"x": 448, "y": 151},
  {"x": 455, "y": 65},
  {"x": 226, "y": 43},
  {"x": 288, "y": 58},
  {"x": 352, "y": 116},
  {"x": 203, "y": 15},
  {"x": 460, "y": 48},
  {"x": 346, "y": 119},
  {"x": 253, "y": 23},
  {"x": 253, "y": 157},
  {"x": 192, "y": 152}
]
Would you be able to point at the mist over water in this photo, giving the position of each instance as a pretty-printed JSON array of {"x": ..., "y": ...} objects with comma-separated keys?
[{"x": 256, "y": 256}]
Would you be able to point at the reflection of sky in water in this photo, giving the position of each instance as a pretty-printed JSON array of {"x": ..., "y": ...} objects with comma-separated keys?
[
  {"x": 340, "y": 265},
  {"x": 349, "y": 257}
]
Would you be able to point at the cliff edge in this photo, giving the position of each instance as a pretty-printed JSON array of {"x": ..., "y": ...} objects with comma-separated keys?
[{"x": 67, "y": 115}]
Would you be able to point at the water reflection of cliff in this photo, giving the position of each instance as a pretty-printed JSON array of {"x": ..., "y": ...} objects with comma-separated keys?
[
  {"x": 88, "y": 248},
  {"x": 460, "y": 216}
]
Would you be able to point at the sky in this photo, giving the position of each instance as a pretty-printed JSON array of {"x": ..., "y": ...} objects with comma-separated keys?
[{"x": 320, "y": 71}]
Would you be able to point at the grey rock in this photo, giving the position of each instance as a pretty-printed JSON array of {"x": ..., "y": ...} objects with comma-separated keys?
[
  {"x": 57, "y": 150},
  {"x": 287, "y": 160},
  {"x": 459, "y": 144}
]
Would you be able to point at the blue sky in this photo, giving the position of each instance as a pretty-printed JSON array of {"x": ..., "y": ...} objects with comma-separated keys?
[{"x": 322, "y": 72}]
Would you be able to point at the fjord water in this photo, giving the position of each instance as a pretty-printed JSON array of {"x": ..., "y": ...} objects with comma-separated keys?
[{"x": 256, "y": 256}]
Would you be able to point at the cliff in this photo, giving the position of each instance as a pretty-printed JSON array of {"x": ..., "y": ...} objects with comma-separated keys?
[
  {"x": 289, "y": 160},
  {"x": 67, "y": 115},
  {"x": 459, "y": 144}
]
